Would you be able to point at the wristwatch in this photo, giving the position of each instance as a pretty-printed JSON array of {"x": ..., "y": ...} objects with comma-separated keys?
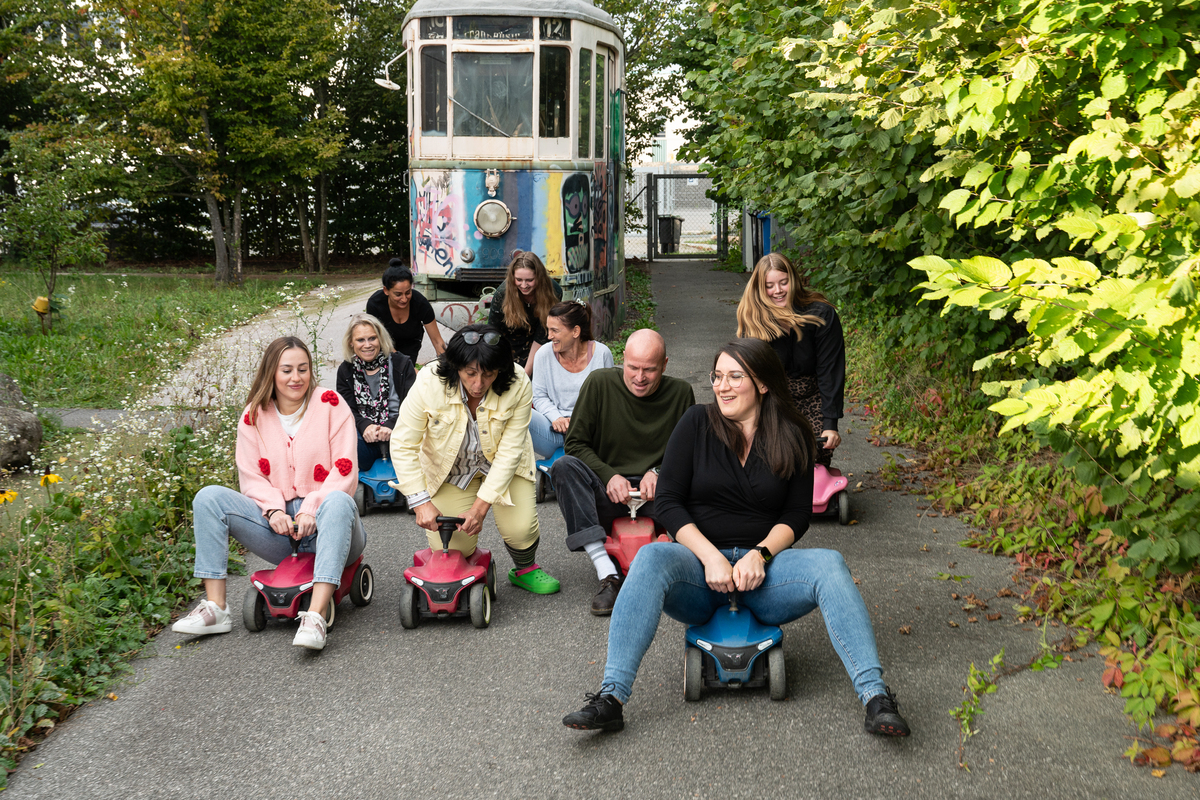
[{"x": 764, "y": 552}]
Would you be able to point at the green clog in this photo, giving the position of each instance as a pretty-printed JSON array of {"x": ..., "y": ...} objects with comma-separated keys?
[{"x": 533, "y": 579}]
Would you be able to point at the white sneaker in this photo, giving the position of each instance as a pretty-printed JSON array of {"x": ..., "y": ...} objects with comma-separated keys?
[
  {"x": 205, "y": 618},
  {"x": 312, "y": 631}
]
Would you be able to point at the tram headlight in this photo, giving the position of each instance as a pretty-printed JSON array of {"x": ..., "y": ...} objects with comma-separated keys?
[{"x": 492, "y": 218}]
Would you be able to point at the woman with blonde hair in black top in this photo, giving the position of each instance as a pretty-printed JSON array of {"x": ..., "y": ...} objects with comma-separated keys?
[
  {"x": 804, "y": 330},
  {"x": 521, "y": 304}
]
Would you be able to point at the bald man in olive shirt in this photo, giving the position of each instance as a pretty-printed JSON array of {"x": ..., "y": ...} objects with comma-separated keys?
[{"x": 619, "y": 431}]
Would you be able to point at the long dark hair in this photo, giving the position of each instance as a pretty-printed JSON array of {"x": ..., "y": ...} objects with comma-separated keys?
[
  {"x": 496, "y": 357},
  {"x": 784, "y": 438},
  {"x": 574, "y": 315}
]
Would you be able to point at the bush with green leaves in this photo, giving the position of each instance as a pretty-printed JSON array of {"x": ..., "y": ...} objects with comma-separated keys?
[
  {"x": 1029, "y": 165},
  {"x": 1035, "y": 162}
]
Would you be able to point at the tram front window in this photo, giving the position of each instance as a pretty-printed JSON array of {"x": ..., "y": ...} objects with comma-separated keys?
[
  {"x": 554, "y": 110},
  {"x": 493, "y": 94}
]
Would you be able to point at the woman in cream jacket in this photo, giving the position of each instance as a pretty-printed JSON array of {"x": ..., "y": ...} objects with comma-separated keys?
[{"x": 462, "y": 446}]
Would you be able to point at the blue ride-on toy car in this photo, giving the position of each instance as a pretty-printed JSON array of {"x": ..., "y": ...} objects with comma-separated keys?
[
  {"x": 733, "y": 650},
  {"x": 374, "y": 489}
]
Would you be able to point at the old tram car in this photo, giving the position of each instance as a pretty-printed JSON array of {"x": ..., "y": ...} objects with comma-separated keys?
[{"x": 516, "y": 142}]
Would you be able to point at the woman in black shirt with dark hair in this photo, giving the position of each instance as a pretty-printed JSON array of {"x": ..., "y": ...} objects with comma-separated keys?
[
  {"x": 405, "y": 313},
  {"x": 735, "y": 491}
]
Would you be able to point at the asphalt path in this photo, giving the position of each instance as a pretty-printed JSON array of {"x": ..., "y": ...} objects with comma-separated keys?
[{"x": 451, "y": 711}]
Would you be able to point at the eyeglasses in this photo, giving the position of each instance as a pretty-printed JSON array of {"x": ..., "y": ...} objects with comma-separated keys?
[
  {"x": 735, "y": 378},
  {"x": 473, "y": 337}
]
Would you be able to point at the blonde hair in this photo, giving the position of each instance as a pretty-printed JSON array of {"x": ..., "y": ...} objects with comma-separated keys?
[
  {"x": 262, "y": 390},
  {"x": 759, "y": 318},
  {"x": 544, "y": 297},
  {"x": 386, "y": 346}
]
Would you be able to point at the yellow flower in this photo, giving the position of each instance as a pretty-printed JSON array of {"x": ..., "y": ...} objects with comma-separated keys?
[
  {"x": 49, "y": 478},
  {"x": 7, "y": 497}
]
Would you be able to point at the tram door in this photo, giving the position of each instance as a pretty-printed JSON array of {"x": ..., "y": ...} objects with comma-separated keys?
[{"x": 606, "y": 189}]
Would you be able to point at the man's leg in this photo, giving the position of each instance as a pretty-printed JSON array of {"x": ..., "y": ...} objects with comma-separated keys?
[{"x": 587, "y": 511}]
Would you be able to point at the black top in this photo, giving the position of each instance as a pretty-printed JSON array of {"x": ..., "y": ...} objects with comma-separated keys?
[
  {"x": 521, "y": 339},
  {"x": 703, "y": 483},
  {"x": 406, "y": 337},
  {"x": 403, "y": 377},
  {"x": 822, "y": 353}
]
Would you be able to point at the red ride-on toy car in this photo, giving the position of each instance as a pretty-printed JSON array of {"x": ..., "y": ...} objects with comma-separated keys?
[
  {"x": 447, "y": 584},
  {"x": 630, "y": 535},
  {"x": 285, "y": 591}
]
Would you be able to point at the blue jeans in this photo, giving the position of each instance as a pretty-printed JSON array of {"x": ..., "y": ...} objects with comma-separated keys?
[
  {"x": 370, "y": 452},
  {"x": 666, "y": 576},
  {"x": 545, "y": 439},
  {"x": 219, "y": 512}
]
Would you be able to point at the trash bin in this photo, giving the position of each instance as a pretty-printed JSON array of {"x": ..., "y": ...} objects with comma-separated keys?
[{"x": 669, "y": 231}]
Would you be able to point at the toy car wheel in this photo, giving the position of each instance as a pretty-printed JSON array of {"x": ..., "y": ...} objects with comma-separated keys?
[
  {"x": 776, "y": 673},
  {"x": 540, "y": 482},
  {"x": 254, "y": 610},
  {"x": 363, "y": 586},
  {"x": 410, "y": 611},
  {"x": 481, "y": 605},
  {"x": 693, "y": 673},
  {"x": 843, "y": 508},
  {"x": 330, "y": 613},
  {"x": 360, "y": 499},
  {"x": 490, "y": 580}
]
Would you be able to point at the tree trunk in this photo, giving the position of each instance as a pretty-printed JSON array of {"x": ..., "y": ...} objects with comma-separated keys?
[
  {"x": 220, "y": 251},
  {"x": 310, "y": 259},
  {"x": 322, "y": 222},
  {"x": 236, "y": 244}
]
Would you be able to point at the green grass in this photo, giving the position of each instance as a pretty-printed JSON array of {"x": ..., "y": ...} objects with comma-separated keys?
[
  {"x": 110, "y": 336},
  {"x": 640, "y": 306}
]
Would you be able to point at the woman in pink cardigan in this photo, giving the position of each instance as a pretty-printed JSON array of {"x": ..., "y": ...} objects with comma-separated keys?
[{"x": 296, "y": 465}]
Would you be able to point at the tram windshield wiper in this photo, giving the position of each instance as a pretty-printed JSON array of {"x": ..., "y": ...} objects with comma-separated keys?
[{"x": 481, "y": 119}]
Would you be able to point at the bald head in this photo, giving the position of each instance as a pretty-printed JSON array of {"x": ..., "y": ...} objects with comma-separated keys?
[{"x": 645, "y": 360}]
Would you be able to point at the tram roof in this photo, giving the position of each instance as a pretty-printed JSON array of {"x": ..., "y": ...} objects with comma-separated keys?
[{"x": 582, "y": 10}]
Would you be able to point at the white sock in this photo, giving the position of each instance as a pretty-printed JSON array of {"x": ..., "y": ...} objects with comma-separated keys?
[{"x": 604, "y": 565}]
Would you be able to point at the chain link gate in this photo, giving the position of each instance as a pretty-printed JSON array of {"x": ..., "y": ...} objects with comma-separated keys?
[{"x": 681, "y": 221}]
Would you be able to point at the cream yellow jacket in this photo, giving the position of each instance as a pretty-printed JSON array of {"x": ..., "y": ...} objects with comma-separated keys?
[{"x": 433, "y": 422}]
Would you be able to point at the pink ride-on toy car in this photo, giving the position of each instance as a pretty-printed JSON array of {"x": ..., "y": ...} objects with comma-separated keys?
[
  {"x": 830, "y": 495},
  {"x": 447, "y": 584},
  {"x": 630, "y": 535},
  {"x": 285, "y": 591}
]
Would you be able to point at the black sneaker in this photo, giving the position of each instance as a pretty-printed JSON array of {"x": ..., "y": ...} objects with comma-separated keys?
[
  {"x": 883, "y": 716},
  {"x": 602, "y": 713}
]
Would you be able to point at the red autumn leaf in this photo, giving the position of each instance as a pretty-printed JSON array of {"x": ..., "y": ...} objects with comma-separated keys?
[
  {"x": 1113, "y": 677},
  {"x": 264, "y": 466},
  {"x": 320, "y": 473},
  {"x": 344, "y": 465},
  {"x": 330, "y": 397}
]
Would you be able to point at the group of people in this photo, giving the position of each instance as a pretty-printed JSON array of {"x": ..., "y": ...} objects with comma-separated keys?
[{"x": 731, "y": 481}]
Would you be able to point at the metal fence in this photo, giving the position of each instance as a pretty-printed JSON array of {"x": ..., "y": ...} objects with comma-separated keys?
[{"x": 681, "y": 221}]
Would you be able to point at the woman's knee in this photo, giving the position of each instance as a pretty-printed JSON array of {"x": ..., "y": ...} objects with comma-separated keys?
[
  {"x": 210, "y": 503},
  {"x": 662, "y": 559}
]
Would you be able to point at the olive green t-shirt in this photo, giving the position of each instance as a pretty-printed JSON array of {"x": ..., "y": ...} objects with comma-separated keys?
[{"x": 616, "y": 432}]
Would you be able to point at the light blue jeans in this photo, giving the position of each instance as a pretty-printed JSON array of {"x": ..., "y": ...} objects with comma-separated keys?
[
  {"x": 545, "y": 439},
  {"x": 666, "y": 576},
  {"x": 219, "y": 512}
]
